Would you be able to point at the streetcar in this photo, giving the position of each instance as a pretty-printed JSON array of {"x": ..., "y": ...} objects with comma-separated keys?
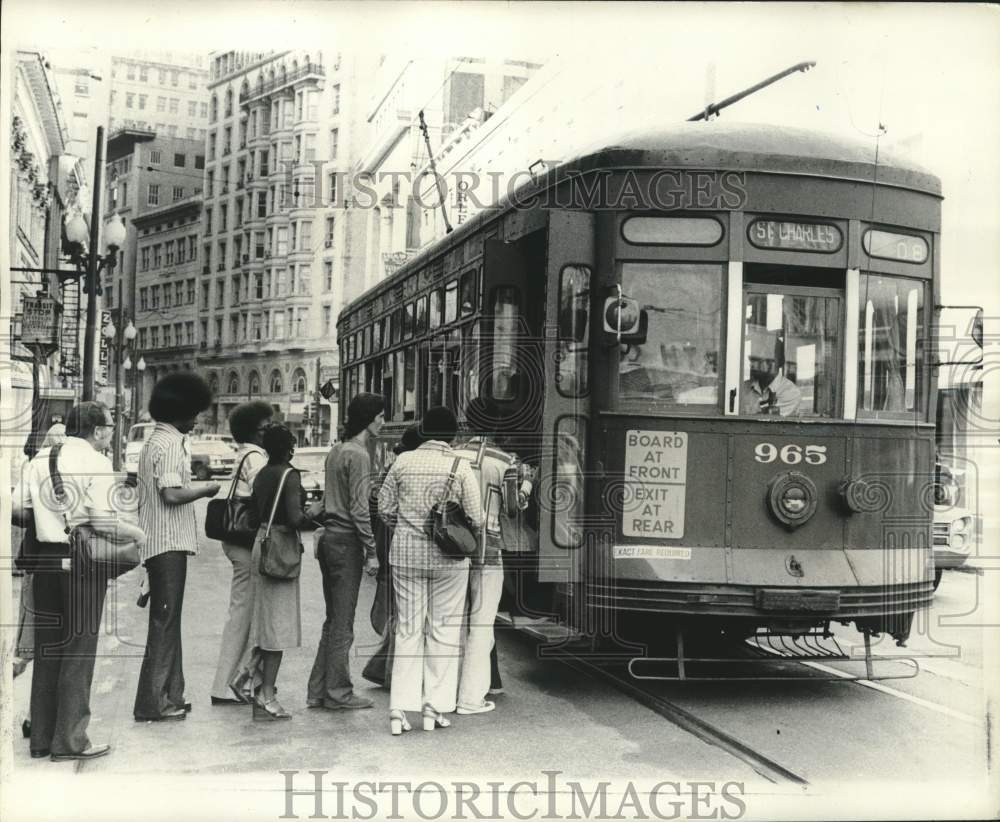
[{"x": 716, "y": 342}]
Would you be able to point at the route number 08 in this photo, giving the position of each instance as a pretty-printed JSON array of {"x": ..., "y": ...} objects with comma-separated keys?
[{"x": 790, "y": 454}]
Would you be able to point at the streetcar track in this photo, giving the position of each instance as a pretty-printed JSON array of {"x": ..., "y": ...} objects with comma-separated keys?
[{"x": 685, "y": 720}]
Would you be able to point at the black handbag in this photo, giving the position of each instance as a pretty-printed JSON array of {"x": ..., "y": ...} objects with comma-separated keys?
[
  {"x": 280, "y": 547},
  {"x": 449, "y": 525},
  {"x": 233, "y": 519},
  {"x": 92, "y": 553}
]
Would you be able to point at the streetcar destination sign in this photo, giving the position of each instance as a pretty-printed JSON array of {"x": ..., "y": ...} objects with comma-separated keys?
[
  {"x": 822, "y": 237},
  {"x": 655, "y": 484}
]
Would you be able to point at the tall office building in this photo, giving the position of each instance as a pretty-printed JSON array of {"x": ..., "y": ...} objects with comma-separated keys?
[
  {"x": 163, "y": 92},
  {"x": 279, "y": 244}
]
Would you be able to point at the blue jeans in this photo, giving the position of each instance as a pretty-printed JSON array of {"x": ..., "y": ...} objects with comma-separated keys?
[{"x": 341, "y": 561}]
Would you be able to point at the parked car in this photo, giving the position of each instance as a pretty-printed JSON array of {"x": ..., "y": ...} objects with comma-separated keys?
[
  {"x": 211, "y": 458},
  {"x": 955, "y": 531},
  {"x": 311, "y": 461},
  {"x": 137, "y": 436}
]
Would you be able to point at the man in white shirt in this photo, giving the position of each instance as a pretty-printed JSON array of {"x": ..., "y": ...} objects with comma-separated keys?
[
  {"x": 69, "y": 600},
  {"x": 766, "y": 391}
]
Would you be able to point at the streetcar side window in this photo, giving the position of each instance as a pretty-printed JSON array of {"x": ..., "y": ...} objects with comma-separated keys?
[
  {"x": 451, "y": 302},
  {"x": 506, "y": 311},
  {"x": 574, "y": 331},
  {"x": 437, "y": 307},
  {"x": 422, "y": 316},
  {"x": 678, "y": 364},
  {"x": 892, "y": 377},
  {"x": 470, "y": 283},
  {"x": 387, "y": 392},
  {"x": 409, "y": 313}
]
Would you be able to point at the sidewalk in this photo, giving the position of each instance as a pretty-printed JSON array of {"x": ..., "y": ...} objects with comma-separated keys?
[{"x": 549, "y": 719}]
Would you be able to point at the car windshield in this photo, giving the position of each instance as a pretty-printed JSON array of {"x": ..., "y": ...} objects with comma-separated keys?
[
  {"x": 140, "y": 433},
  {"x": 312, "y": 463}
]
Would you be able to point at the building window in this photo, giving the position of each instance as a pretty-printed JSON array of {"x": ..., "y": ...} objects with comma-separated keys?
[
  {"x": 167, "y": 296},
  {"x": 193, "y": 247},
  {"x": 178, "y": 193},
  {"x": 329, "y": 232},
  {"x": 170, "y": 252},
  {"x": 336, "y": 99},
  {"x": 199, "y": 161},
  {"x": 328, "y": 275},
  {"x": 205, "y": 289},
  {"x": 189, "y": 333},
  {"x": 153, "y": 195},
  {"x": 211, "y": 145},
  {"x": 145, "y": 258},
  {"x": 180, "y": 160},
  {"x": 180, "y": 250},
  {"x": 190, "y": 292},
  {"x": 157, "y": 256},
  {"x": 192, "y": 108},
  {"x": 178, "y": 293},
  {"x": 144, "y": 74},
  {"x": 154, "y": 157},
  {"x": 334, "y": 140},
  {"x": 190, "y": 134},
  {"x": 161, "y": 103},
  {"x": 154, "y": 337},
  {"x": 333, "y": 189},
  {"x": 174, "y": 78},
  {"x": 144, "y": 294},
  {"x": 154, "y": 296},
  {"x": 142, "y": 101},
  {"x": 220, "y": 293},
  {"x": 129, "y": 100}
]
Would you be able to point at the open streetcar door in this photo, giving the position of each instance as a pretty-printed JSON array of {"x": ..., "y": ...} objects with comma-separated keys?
[{"x": 569, "y": 272}]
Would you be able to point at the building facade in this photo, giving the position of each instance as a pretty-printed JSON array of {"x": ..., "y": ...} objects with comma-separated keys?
[
  {"x": 45, "y": 184},
  {"x": 163, "y": 92},
  {"x": 281, "y": 253},
  {"x": 167, "y": 303},
  {"x": 455, "y": 95},
  {"x": 147, "y": 173}
]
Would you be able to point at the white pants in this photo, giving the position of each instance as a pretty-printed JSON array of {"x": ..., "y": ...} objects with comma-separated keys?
[
  {"x": 485, "y": 588},
  {"x": 430, "y": 604}
]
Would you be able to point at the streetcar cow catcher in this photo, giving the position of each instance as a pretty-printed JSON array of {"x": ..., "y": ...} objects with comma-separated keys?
[{"x": 714, "y": 344}]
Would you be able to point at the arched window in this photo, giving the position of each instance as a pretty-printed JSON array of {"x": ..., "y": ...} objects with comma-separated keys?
[
  {"x": 284, "y": 73},
  {"x": 215, "y": 108},
  {"x": 229, "y": 102},
  {"x": 260, "y": 83},
  {"x": 299, "y": 380},
  {"x": 234, "y": 383},
  {"x": 295, "y": 66},
  {"x": 275, "y": 382},
  {"x": 213, "y": 382},
  {"x": 253, "y": 384}
]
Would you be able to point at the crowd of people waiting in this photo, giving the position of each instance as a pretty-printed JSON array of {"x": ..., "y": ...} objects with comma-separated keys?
[{"x": 436, "y": 612}]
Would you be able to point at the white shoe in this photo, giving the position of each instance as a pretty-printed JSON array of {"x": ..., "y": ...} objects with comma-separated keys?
[{"x": 485, "y": 708}]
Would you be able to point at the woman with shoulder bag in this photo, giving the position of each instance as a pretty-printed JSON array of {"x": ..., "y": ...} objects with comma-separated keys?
[
  {"x": 248, "y": 422},
  {"x": 430, "y": 586},
  {"x": 275, "y": 622}
]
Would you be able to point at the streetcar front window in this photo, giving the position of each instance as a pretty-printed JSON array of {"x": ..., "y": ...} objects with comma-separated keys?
[
  {"x": 892, "y": 380},
  {"x": 678, "y": 364},
  {"x": 790, "y": 353}
]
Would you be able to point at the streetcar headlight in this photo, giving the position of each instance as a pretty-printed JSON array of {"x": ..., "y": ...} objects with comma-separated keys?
[
  {"x": 959, "y": 533},
  {"x": 794, "y": 500}
]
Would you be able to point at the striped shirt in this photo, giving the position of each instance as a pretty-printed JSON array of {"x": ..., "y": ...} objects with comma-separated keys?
[
  {"x": 256, "y": 458},
  {"x": 165, "y": 462},
  {"x": 414, "y": 484},
  {"x": 492, "y": 466}
]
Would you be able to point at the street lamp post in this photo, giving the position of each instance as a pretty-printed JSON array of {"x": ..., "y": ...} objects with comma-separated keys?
[
  {"x": 114, "y": 239},
  {"x": 140, "y": 367},
  {"x": 120, "y": 342},
  {"x": 93, "y": 263}
]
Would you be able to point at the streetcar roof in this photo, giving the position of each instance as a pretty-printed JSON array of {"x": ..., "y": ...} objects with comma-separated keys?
[{"x": 747, "y": 147}]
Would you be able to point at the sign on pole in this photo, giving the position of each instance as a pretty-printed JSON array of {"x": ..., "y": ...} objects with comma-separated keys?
[{"x": 40, "y": 323}]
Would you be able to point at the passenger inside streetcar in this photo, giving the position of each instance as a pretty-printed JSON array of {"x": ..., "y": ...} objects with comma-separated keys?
[{"x": 769, "y": 392}]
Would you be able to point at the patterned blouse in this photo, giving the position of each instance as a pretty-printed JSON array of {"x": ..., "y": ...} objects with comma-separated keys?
[{"x": 414, "y": 484}]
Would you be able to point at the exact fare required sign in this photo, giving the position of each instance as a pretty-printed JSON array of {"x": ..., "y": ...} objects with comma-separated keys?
[{"x": 655, "y": 484}]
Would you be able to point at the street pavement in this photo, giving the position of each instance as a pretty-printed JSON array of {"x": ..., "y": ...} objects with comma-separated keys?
[{"x": 219, "y": 763}]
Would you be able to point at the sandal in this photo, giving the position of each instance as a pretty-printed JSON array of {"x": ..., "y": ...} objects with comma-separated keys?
[
  {"x": 269, "y": 711},
  {"x": 433, "y": 719},
  {"x": 398, "y": 723}
]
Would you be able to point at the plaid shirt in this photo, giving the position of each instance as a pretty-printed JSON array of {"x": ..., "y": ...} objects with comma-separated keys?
[{"x": 414, "y": 485}]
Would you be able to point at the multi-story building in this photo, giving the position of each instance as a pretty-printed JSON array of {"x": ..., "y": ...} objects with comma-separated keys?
[
  {"x": 167, "y": 297},
  {"x": 45, "y": 184},
  {"x": 147, "y": 172},
  {"x": 280, "y": 250},
  {"x": 163, "y": 92},
  {"x": 455, "y": 96}
]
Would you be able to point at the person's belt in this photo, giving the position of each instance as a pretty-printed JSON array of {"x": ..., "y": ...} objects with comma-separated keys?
[{"x": 337, "y": 521}]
